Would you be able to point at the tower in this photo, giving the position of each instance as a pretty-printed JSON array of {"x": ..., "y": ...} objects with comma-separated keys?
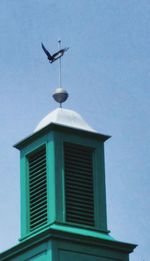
[{"x": 63, "y": 197}]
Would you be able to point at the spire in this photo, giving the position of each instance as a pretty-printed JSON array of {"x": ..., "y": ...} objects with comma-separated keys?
[{"x": 60, "y": 95}]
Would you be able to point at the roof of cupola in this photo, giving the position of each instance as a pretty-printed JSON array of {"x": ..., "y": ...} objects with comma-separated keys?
[{"x": 64, "y": 117}]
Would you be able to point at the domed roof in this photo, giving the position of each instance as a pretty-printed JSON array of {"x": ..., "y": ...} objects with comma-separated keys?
[{"x": 64, "y": 117}]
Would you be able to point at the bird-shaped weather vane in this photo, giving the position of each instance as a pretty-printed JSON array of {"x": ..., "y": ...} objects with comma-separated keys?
[{"x": 60, "y": 94}]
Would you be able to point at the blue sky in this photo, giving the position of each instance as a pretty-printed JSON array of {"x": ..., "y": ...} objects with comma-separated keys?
[{"x": 107, "y": 74}]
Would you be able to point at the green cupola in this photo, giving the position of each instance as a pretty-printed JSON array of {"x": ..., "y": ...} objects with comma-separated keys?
[
  {"x": 63, "y": 176},
  {"x": 63, "y": 197}
]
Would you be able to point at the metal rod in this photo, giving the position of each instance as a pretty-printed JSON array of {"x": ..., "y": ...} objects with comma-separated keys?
[{"x": 59, "y": 45}]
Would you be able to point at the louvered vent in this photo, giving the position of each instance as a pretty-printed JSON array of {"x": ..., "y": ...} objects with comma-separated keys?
[
  {"x": 37, "y": 188},
  {"x": 79, "y": 184}
]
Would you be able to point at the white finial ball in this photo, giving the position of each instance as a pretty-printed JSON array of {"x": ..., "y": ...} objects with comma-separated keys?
[{"x": 60, "y": 95}]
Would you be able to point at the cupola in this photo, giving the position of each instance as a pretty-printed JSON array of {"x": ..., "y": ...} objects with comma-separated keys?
[
  {"x": 62, "y": 176},
  {"x": 63, "y": 197}
]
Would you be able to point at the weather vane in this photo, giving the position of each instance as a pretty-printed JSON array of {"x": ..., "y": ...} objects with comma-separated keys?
[{"x": 60, "y": 94}]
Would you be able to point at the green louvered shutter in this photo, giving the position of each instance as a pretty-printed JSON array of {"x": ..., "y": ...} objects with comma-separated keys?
[
  {"x": 79, "y": 194},
  {"x": 37, "y": 188}
]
